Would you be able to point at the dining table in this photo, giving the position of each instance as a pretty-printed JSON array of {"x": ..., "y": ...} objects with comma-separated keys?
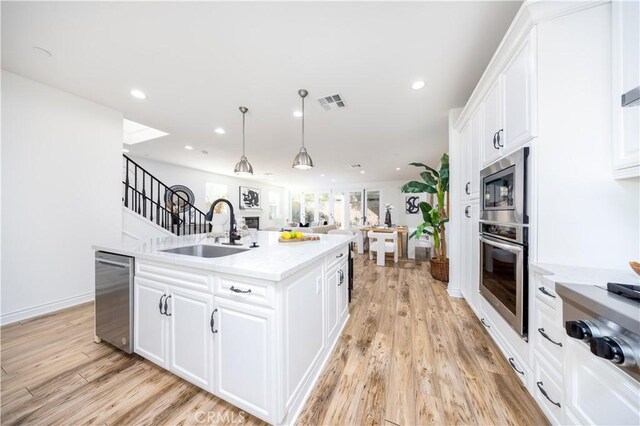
[{"x": 403, "y": 234}]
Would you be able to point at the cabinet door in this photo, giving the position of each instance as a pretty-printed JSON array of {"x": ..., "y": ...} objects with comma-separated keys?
[
  {"x": 465, "y": 252},
  {"x": 474, "y": 150},
  {"x": 465, "y": 160},
  {"x": 244, "y": 356},
  {"x": 331, "y": 286},
  {"x": 150, "y": 325},
  {"x": 343, "y": 291},
  {"x": 492, "y": 123},
  {"x": 519, "y": 99},
  {"x": 474, "y": 258},
  {"x": 191, "y": 334}
]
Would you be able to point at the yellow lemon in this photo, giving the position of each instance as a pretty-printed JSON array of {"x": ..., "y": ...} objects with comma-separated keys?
[
  {"x": 286, "y": 236},
  {"x": 292, "y": 235},
  {"x": 299, "y": 235}
]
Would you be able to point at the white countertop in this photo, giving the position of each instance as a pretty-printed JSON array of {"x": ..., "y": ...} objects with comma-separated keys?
[
  {"x": 583, "y": 275},
  {"x": 272, "y": 260}
]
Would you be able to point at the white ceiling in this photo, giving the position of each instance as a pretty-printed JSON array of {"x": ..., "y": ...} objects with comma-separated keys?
[{"x": 197, "y": 62}]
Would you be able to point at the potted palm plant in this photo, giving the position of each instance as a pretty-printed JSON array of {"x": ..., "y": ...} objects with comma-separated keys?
[{"x": 434, "y": 182}]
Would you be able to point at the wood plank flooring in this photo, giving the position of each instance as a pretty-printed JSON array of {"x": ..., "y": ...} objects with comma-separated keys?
[{"x": 410, "y": 355}]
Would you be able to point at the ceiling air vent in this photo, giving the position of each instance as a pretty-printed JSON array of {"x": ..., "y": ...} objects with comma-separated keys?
[
  {"x": 356, "y": 166},
  {"x": 332, "y": 102}
]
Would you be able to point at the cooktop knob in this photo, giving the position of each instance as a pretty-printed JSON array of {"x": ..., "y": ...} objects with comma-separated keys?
[
  {"x": 578, "y": 330},
  {"x": 607, "y": 348}
]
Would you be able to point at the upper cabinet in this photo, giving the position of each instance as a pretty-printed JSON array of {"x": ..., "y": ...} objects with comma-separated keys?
[
  {"x": 518, "y": 81},
  {"x": 492, "y": 123},
  {"x": 626, "y": 77}
]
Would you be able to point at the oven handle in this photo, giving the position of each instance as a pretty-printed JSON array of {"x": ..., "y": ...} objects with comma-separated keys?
[{"x": 504, "y": 246}]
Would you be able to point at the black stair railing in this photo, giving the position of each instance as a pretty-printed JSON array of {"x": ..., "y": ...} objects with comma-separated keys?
[{"x": 146, "y": 195}]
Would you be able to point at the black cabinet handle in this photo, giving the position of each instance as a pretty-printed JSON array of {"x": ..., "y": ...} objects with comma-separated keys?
[
  {"x": 341, "y": 277},
  {"x": 484, "y": 323},
  {"x": 339, "y": 256},
  {"x": 160, "y": 304},
  {"x": 237, "y": 290},
  {"x": 513, "y": 365},
  {"x": 212, "y": 323},
  {"x": 166, "y": 306},
  {"x": 541, "y": 331},
  {"x": 466, "y": 188},
  {"x": 494, "y": 140},
  {"x": 545, "y": 292},
  {"x": 466, "y": 211},
  {"x": 544, "y": 392},
  {"x": 498, "y": 138}
]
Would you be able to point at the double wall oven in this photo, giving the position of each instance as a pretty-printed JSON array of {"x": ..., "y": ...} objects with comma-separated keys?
[{"x": 504, "y": 226}]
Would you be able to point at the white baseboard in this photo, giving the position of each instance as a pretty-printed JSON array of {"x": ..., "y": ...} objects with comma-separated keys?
[
  {"x": 454, "y": 292},
  {"x": 45, "y": 308}
]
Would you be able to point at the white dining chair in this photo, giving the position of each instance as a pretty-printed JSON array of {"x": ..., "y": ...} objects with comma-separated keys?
[
  {"x": 361, "y": 239},
  {"x": 382, "y": 243},
  {"x": 422, "y": 241}
]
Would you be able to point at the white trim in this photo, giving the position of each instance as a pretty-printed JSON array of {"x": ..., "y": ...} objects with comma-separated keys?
[
  {"x": 146, "y": 221},
  {"x": 45, "y": 308},
  {"x": 454, "y": 292}
]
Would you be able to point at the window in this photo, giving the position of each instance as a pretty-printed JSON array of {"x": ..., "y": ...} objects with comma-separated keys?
[
  {"x": 372, "y": 209},
  {"x": 309, "y": 207},
  {"x": 355, "y": 208},
  {"x": 323, "y": 207},
  {"x": 213, "y": 191},
  {"x": 296, "y": 207},
  {"x": 338, "y": 209},
  {"x": 274, "y": 205}
]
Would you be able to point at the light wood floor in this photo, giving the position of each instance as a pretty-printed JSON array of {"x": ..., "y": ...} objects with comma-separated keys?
[{"x": 409, "y": 355}]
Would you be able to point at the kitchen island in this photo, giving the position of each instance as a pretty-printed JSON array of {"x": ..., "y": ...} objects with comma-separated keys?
[{"x": 255, "y": 327}]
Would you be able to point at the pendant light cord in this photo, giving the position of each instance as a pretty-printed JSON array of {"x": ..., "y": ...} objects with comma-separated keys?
[
  {"x": 243, "y": 151},
  {"x": 303, "y": 121}
]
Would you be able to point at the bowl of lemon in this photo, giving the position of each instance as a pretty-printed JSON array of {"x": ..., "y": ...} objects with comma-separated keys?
[{"x": 296, "y": 237}]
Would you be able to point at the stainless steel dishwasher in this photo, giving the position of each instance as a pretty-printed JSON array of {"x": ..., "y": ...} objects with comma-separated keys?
[{"x": 114, "y": 300}]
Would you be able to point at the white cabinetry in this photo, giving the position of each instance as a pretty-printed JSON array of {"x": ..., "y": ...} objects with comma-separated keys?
[
  {"x": 244, "y": 352},
  {"x": 470, "y": 255},
  {"x": 171, "y": 329},
  {"x": 625, "y": 76},
  {"x": 492, "y": 134},
  {"x": 519, "y": 97}
]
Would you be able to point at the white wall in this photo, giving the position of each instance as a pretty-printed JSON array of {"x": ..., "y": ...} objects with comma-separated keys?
[
  {"x": 196, "y": 180},
  {"x": 585, "y": 217},
  {"x": 60, "y": 194}
]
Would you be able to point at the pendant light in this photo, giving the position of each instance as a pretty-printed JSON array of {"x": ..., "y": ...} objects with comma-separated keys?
[
  {"x": 243, "y": 167},
  {"x": 303, "y": 161}
]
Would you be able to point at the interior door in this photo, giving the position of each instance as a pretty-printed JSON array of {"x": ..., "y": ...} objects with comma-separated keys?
[
  {"x": 150, "y": 326},
  {"x": 191, "y": 335}
]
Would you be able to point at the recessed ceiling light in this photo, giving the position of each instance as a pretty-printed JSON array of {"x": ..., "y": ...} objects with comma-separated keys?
[
  {"x": 297, "y": 114},
  {"x": 397, "y": 168},
  {"x": 322, "y": 175},
  {"x": 42, "y": 51},
  {"x": 188, "y": 147},
  {"x": 220, "y": 131},
  {"x": 361, "y": 172},
  {"x": 125, "y": 150},
  {"x": 333, "y": 180},
  {"x": 138, "y": 94},
  {"x": 417, "y": 85}
]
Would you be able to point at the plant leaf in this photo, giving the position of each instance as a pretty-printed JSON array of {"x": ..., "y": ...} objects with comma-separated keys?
[
  {"x": 429, "y": 178},
  {"x": 415, "y": 187},
  {"x": 426, "y": 167}
]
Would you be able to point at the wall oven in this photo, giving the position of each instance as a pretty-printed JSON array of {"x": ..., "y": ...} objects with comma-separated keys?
[{"x": 504, "y": 238}]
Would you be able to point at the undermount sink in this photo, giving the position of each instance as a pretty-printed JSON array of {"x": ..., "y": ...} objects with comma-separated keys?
[{"x": 205, "y": 251}]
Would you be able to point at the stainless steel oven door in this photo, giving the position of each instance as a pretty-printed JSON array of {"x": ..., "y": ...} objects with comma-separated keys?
[{"x": 502, "y": 280}]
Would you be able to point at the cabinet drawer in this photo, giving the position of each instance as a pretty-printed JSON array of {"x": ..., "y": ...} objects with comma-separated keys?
[
  {"x": 545, "y": 291},
  {"x": 337, "y": 256},
  {"x": 260, "y": 293},
  {"x": 547, "y": 391},
  {"x": 175, "y": 275},
  {"x": 548, "y": 336}
]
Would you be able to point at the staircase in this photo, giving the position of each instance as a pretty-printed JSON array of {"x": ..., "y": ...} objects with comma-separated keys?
[{"x": 147, "y": 196}]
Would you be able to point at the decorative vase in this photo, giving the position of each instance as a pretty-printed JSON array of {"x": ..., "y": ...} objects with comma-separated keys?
[
  {"x": 387, "y": 219},
  {"x": 440, "y": 269}
]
